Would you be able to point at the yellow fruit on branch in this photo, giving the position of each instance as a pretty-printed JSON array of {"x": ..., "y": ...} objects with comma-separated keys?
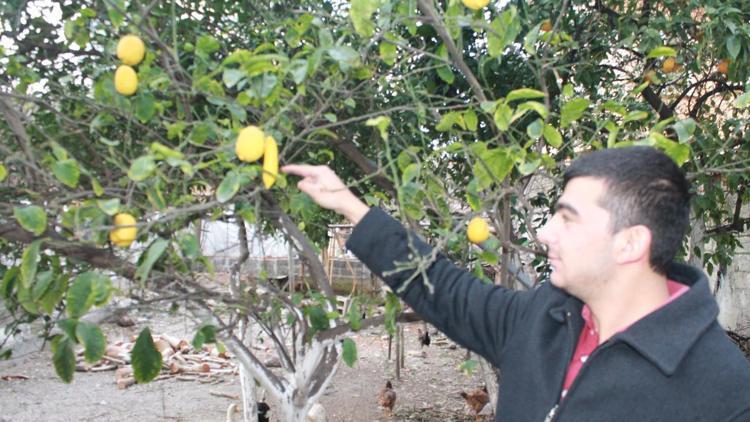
[
  {"x": 475, "y": 4},
  {"x": 126, "y": 80},
  {"x": 250, "y": 144},
  {"x": 723, "y": 66},
  {"x": 669, "y": 65},
  {"x": 270, "y": 162},
  {"x": 546, "y": 25},
  {"x": 130, "y": 50},
  {"x": 124, "y": 232},
  {"x": 478, "y": 230}
]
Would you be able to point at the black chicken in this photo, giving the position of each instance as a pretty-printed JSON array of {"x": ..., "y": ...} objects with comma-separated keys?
[
  {"x": 263, "y": 409},
  {"x": 424, "y": 337}
]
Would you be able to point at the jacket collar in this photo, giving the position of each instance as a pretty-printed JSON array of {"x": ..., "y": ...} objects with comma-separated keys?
[{"x": 665, "y": 336}]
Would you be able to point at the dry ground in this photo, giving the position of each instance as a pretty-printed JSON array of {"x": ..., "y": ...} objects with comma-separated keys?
[{"x": 428, "y": 389}]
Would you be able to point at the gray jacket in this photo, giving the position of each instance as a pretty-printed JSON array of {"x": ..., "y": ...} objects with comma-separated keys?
[{"x": 675, "y": 364}]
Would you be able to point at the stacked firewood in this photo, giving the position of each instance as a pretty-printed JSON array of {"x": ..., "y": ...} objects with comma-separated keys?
[
  {"x": 742, "y": 341},
  {"x": 179, "y": 360}
]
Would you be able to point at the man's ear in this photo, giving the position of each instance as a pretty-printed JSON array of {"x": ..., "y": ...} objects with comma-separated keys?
[{"x": 633, "y": 244}]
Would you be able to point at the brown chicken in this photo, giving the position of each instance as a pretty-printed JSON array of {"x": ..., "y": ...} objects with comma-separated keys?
[
  {"x": 387, "y": 398},
  {"x": 476, "y": 399}
]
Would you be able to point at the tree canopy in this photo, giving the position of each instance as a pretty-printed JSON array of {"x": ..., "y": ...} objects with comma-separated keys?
[{"x": 434, "y": 110}]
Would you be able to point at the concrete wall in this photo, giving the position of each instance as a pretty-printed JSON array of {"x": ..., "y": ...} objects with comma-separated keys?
[{"x": 733, "y": 294}]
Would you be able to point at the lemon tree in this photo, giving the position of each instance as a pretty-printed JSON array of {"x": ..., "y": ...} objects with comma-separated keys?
[{"x": 178, "y": 112}]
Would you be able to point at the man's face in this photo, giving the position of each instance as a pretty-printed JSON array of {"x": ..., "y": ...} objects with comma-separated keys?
[{"x": 579, "y": 238}]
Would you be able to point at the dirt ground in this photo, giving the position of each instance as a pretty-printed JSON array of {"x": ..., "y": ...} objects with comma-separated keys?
[{"x": 427, "y": 391}]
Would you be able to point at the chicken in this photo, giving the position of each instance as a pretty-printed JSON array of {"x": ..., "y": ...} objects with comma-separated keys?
[
  {"x": 476, "y": 399},
  {"x": 387, "y": 398},
  {"x": 263, "y": 410},
  {"x": 424, "y": 337}
]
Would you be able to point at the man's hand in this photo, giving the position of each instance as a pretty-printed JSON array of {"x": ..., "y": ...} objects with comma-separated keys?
[{"x": 327, "y": 190}]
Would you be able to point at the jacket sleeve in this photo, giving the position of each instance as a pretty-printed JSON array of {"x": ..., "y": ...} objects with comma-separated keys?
[{"x": 478, "y": 316}]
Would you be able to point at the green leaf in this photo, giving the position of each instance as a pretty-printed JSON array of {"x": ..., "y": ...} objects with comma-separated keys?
[
  {"x": 54, "y": 294},
  {"x": 572, "y": 111},
  {"x": 318, "y": 319},
  {"x": 232, "y": 76},
  {"x": 635, "y": 116},
  {"x": 109, "y": 206},
  {"x": 142, "y": 168},
  {"x": 446, "y": 74},
  {"x": 382, "y": 123},
  {"x": 493, "y": 166},
  {"x": 468, "y": 367},
  {"x": 189, "y": 246},
  {"x": 3, "y": 172},
  {"x": 535, "y": 129},
  {"x": 92, "y": 339},
  {"x": 31, "y": 218},
  {"x": 685, "y": 129},
  {"x": 152, "y": 255},
  {"x": 448, "y": 120},
  {"x": 81, "y": 294},
  {"x": 503, "y": 116},
  {"x": 540, "y": 109},
  {"x": 205, "y": 334},
  {"x": 102, "y": 287},
  {"x": 228, "y": 187},
  {"x": 470, "y": 118},
  {"x": 43, "y": 282},
  {"x": 67, "y": 172},
  {"x": 741, "y": 102},
  {"x": 63, "y": 358},
  {"x": 680, "y": 153},
  {"x": 298, "y": 69},
  {"x": 503, "y": 30},
  {"x": 392, "y": 308},
  {"x": 349, "y": 353},
  {"x": 344, "y": 55},
  {"x": 206, "y": 45},
  {"x": 388, "y": 52},
  {"x": 361, "y": 12},
  {"x": 662, "y": 51},
  {"x": 552, "y": 136},
  {"x": 733, "y": 46},
  {"x": 146, "y": 360},
  {"x": 145, "y": 107},
  {"x": 68, "y": 326},
  {"x": 354, "y": 316},
  {"x": 524, "y": 94},
  {"x": 29, "y": 262}
]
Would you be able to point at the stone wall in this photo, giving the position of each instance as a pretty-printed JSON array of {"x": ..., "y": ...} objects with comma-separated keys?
[{"x": 733, "y": 294}]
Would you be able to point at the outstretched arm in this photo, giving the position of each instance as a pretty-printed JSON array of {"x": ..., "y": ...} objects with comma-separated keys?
[{"x": 328, "y": 191}]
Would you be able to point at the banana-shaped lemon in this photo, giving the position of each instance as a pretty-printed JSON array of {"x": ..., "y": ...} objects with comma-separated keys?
[{"x": 270, "y": 162}]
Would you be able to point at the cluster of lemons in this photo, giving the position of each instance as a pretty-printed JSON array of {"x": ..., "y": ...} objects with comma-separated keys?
[
  {"x": 253, "y": 143},
  {"x": 130, "y": 50}
]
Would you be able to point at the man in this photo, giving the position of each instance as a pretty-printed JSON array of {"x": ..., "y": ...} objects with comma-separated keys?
[{"x": 619, "y": 334}]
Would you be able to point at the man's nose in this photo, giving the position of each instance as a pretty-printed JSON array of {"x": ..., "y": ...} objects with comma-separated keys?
[{"x": 545, "y": 233}]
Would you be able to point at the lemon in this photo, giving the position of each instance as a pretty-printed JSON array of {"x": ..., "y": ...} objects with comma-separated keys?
[
  {"x": 126, "y": 80},
  {"x": 270, "y": 162},
  {"x": 669, "y": 65},
  {"x": 475, "y": 4},
  {"x": 546, "y": 26},
  {"x": 130, "y": 50},
  {"x": 723, "y": 66},
  {"x": 125, "y": 231},
  {"x": 478, "y": 230},
  {"x": 250, "y": 144}
]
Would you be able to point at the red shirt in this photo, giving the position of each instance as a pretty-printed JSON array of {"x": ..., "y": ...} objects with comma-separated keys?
[{"x": 589, "y": 338}]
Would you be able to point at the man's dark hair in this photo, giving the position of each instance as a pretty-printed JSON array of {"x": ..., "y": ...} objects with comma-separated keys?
[{"x": 643, "y": 186}]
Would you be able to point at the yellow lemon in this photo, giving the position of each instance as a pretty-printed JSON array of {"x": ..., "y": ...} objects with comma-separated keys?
[
  {"x": 126, "y": 80},
  {"x": 250, "y": 144},
  {"x": 475, "y": 4},
  {"x": 270, "y": 162},
  {"x": 478, "y": 230},
  {"x": 546, "y": 26},
  {"x": 130, "y": 50},
  {"x": 124, "y": 232},
  {"x": 669, "y": 65}
]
